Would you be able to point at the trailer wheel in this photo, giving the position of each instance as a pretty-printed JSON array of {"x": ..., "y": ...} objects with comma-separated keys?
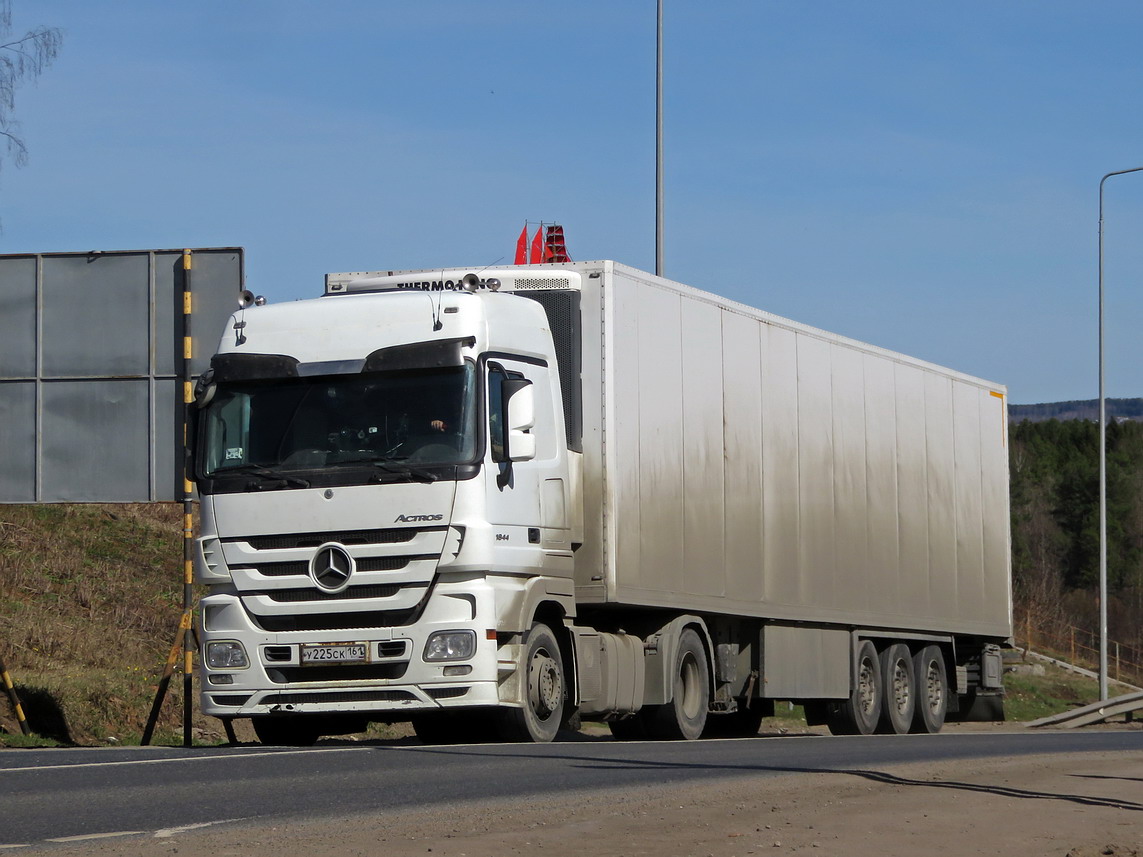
[
  {"x": 932, "y": 690},
  {"x": 545, "y": 691},
  {"x": 859, "y": 714},
  {"x": 685, "y": 715},
  {"x": 287, "y": 731},
  {"x": 899, "y": 690}
]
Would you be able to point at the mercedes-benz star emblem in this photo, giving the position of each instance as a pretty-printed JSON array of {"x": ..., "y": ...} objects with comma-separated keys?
[{"x": 331, "y": 567}]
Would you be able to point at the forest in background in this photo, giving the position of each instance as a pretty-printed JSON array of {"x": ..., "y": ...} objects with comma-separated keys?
[
  {"x": 1054, "y": 468},
  {"x": 1086, "y": 409}
]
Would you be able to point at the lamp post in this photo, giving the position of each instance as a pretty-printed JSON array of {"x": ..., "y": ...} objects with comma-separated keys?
[
  {"x": 659, "y": 138},
  {"x": 1103, "y": 461}
]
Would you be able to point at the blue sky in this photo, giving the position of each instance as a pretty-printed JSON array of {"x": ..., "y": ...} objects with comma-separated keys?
[{"x": 920, "y": 176}]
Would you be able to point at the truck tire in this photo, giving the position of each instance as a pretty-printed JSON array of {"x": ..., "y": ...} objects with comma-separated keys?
[
  {"x": 684, "y": 717},
  {"x": 545, "y": 691},
  {"x": 860, "y": 714},
  {"x": 287, "y": 730},
  {"x": 932, "y": 685},
  {"x": 899, "y": 690}
]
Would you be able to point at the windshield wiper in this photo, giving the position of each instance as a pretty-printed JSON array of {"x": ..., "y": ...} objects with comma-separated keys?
[
  {"x": 266, "y": 474},
  {"x": 418, "y": 474}
]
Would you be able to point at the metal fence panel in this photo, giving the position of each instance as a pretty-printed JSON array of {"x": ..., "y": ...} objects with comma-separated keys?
[
  {"x": 95, "y": 316},
  {"x": 93, "y": 440},
  {"x": 91, "y": 363},
  {"x": 18, "y": 317},
  {"x": 17, "y": 441}
]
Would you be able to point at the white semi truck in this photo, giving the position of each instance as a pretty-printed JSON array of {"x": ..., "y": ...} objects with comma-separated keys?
[{"x": 490, "y": 502}]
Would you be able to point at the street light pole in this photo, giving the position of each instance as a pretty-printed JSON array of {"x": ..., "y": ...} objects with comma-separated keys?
[
  {"x": 1103, "y": 461},
  {"x": 659, "y": 139}
]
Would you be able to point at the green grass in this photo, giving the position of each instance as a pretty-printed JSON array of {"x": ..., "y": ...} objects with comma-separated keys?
[
  {"x": 1031, "y": 697},
  {"x": 90, "y": 598}
]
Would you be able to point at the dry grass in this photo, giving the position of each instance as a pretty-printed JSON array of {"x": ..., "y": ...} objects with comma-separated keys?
[{"x": 90, "y": 598}]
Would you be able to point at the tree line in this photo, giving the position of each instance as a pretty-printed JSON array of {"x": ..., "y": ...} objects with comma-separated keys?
[{"x": 1054, "y": 483}]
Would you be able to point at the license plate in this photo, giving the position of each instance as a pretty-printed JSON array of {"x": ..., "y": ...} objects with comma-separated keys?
[{"x": 346, "y": 653}]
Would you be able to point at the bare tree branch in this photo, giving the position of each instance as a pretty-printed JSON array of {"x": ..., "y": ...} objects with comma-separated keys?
[{"x": 22, "y": 60}]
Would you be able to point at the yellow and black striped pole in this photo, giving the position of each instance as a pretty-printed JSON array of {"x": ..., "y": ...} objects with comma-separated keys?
[
  {"x": 188, "y": 507},
  {"x": 185, "y": 639},
  {"x": 165, "y": 679},
  {"x": 14, "y": 697}
]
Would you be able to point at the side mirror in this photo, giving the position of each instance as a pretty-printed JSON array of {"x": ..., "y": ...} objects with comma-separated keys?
[
  {"x": 204, "y": 389},
  {"x": 520, "y": 406}
]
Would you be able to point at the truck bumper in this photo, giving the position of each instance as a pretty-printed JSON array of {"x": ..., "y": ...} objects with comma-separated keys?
[{"x": 394, "y": 682}]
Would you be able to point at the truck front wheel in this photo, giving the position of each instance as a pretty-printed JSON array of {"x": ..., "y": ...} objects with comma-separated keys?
[{"x": 545, "y": 691}]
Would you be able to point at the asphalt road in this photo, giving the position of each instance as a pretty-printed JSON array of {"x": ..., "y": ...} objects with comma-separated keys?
[{"x": 69, "y": 794}]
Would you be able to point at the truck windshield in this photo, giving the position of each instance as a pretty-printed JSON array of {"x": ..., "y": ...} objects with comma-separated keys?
[{"x": 387, "y": 422}]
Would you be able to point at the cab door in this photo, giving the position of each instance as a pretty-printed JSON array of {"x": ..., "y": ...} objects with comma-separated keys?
[{"x": 527, "y": 498}]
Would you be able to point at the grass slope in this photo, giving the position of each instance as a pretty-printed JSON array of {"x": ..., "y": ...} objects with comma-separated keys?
[{"x": 90, "y": 598}]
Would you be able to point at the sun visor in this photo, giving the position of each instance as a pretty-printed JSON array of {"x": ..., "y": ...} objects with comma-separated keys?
[
  {"x": 253, "y": 367},
  {"x": 439, "y": 354}
]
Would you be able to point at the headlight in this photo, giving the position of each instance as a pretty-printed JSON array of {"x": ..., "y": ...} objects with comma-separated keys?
[
  {"x": 226, "y": 655},
  {"x": 450, "y": 646}
]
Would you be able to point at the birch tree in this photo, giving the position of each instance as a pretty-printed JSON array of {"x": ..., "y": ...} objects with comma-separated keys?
[{"x": 23, "y": 59}]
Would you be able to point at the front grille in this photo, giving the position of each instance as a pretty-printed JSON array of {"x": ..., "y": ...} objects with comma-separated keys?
[
  {"x": 301, "y": 568},
  {"x": 343, "y": 672},
  {"x": 391, "y": 563},
  {"x": 277, "y": 569},
  {"x": 446, "y": 692},
  {"x": 336, "y": 621},
  {"x": 256, "y": 593},
  {"x": 288, "y": 596},
  {"x": 335, "y": 696},
  {"x": 233, "y": 700},
  {"x": 289, "y": 541}
]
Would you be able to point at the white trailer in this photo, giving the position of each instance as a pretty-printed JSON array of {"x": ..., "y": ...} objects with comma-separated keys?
[{"x": 489, "y": 502}]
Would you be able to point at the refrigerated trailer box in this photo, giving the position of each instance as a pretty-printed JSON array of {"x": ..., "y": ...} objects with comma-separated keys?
[{"x": 660, "y": 504}]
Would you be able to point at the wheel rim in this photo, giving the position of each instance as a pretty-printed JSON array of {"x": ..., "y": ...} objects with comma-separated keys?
[
  {"x": 867, "y": 686},
  {"x": 689, "y": 686},
  {"x": 934, "y": 688},
  {"x": 545, "y": 684},
  {"x": 902, "y": 690}
]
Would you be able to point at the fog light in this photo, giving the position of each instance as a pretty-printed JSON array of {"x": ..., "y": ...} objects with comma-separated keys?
[
  {"x": 223, "y": 678},
  {"x": 226, "y": 654},
  {"x": 462, "y": 669},
  {"x": 450, "y": 646}
]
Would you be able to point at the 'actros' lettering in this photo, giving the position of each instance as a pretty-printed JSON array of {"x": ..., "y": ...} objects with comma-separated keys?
[{"x": 405, "y": 519}]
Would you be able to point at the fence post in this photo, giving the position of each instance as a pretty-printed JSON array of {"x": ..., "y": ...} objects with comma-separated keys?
[
  {"x": 1072, "y": 631},
  {"x": 14, "y": 697}
]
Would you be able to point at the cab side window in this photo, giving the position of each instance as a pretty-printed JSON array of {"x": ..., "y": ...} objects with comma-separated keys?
[{"x": 497, "y": 419}]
